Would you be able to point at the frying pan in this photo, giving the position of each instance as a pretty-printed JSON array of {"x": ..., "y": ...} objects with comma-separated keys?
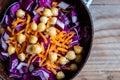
[{"x": 85, "y": 21}]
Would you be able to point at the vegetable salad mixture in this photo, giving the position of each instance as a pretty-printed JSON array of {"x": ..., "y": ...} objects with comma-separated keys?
[{"x": 40, "y": 40}]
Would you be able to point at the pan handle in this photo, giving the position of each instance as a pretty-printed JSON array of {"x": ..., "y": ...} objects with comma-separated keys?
[{"x": 88, "y": 2}]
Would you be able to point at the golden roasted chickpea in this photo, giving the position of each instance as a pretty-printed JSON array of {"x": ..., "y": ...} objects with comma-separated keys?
[
  {"x": 33, "y": 39},
  {"x": 47, "y": 12},
  {"x": 78, "y": 58},
  {"x": 36, "y": 49},
  {"x": 29, "y": 49},
  {"x": 73, "y": 67},
  {"x": 11, "y": 50},
  {"x": 51, "y": 31},
  {"x": 71, "y": 55},
  {"x": 21, "y": 56},
  {"x": 33, "y": 26},
  {"x": 21, "y": 38},
  {"x": 43, "y": 19},
  {"x": 52, "y": 56},
  {"x": 20, "y": 13},
  {"x": 63, "y": 60},
  {"x": 60, "y": 75},
  {"x": 41, "y": 27},
  {"x": 1, "y": 30},
  {"x": 78, "y": 49},
  {"x": 53, "y": 20},
  {"x": 54, "y": 11}
]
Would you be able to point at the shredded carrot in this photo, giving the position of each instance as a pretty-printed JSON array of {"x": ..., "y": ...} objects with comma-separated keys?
[
  {"x": 47, "y": 51},
  {"x": 41, "y": 56},
  {"x": 9, "y": 29},
  {"x": 69, "y": 41},
  {"x": 38, "y": 9},
  {"x": 28, "y": 18},
  {"x": 43, "y": 50},
  {"x": 15, "y": 23},
  {"x": 54, "y": 71},
  {"x": 48, "y": 24},
  {"x": 44, "y": 37},
  {"x": 54, "y": 4},
  {"x": 34, "y": 58},
  {"x": 29, "y": 60},
  {"x": 62, "y": 49},
  {"x": 13, "y": 32},
  {"x": 20, "y": 32},
  {"x": 23, "y": 47}
]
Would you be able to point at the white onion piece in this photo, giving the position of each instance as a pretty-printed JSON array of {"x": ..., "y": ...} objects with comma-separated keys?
[
  {"x": 21, "y": 65},
  {"x": 31, "y": 68},
  {"x": 63, "y": 5},
  {"x": 74, "y": 19},
  {"x": 60, "y": 24}
]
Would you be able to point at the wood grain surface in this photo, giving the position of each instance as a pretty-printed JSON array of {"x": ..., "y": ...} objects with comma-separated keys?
[{"x": 104, "y": 61}]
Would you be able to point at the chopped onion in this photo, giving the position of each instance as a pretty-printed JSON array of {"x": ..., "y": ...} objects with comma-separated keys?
[{"x": 63, "y": 5}]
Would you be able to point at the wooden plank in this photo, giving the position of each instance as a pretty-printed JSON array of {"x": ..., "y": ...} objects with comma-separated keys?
[
  {"x": 108, "y": 2},
  {"x": 104, "y": 61}
]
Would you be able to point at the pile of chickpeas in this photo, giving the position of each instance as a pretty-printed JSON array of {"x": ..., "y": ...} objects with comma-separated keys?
[{"x": 35, "y": 48}]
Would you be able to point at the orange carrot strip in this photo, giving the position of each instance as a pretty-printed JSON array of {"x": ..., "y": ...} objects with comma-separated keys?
[
  {"x": 58, "y": 31},
  {"x": 54, "y": 4},
  {"x": 41, "y": 63},
  {"x": 62, "y": 49},
  {"x": 28, "y": 18},
  {"x": 54, "y": 71},
  {"x": 29, "y": 60},
  {"x": 23, "y": 47},
  {"x": 9, "y": 29},
  {"x": 41, "y": 56},
  {"x": 35, "y": 33},
  {"x": 34, "y": 58},
  {"x": 20, "y": 32},
  {"x": 48, "y": 24},
  {"x": 38, "y": 9},
  {"x": 44, "y": 37},
  {"x": 68, "y": 42},
  {"x": 13, "y": 32},
  {"x": 47, "y": 50},
  {"x": 15, "y": 23},
  {"x": 43, "y": 50}
]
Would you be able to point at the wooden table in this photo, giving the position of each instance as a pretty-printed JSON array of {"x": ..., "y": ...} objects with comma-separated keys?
[{"x": 104, "y": 61}]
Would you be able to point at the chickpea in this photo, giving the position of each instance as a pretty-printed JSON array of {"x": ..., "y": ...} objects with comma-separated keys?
[
  {"x": 53, "y": 20},
  {"x": 51, "y": 31},
  {"x": 11, "y": 50},
  {"x": 20, "y": 13},
  {"x": 47, "y": 12},
  {"x": 33, "y": 39},
  {"x": 63, "y": 60},
  {"x": 73, "y": 67},
  {"x": 1, "y": 30},
  {"x": 43, "y": 19},
  {"x": 71, "y": 55},
  {"x": 41, "y": 27},
  {"x": 21, "y": 38},
  {"x": 33, "y": 26},
  {"x": 29, "y": 49},
  {"x": 78, "y": 58},
  {"x": 21, "y": 56},
  {"x": 36, "y": 49},
  {"x": 54, "y": 11},
  {"x": 60, "y": 75},
  {"x": 52, "y": 56},
  {"x": 78, "y": 49}
]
